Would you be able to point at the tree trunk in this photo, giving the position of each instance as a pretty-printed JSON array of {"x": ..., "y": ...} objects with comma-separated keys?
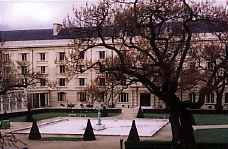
[
  {"x": 181, "y": 120},
  {"x": 218, "y": 106},
  {"x": 219, "y": 93},
  {"x": 175, "y": 126},
  {"x": 186, "y": 120}
]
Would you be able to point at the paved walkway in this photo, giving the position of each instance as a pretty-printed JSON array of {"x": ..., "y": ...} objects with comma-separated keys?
[
  {"x": 210, "y": 126},
  {"x": 102, "y": 142}
]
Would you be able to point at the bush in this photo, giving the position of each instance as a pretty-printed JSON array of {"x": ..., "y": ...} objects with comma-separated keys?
[
  {"x": 133, "y": 134},
  {"x": 34, "y": 132},
  {"x": 140, "y": 113},
  {"x": 89, "y": 134}
]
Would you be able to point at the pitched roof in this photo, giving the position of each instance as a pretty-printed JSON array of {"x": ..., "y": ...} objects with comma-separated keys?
[
  {"x": 76, "y": 32},
  {"x": 22, "y": 35}
]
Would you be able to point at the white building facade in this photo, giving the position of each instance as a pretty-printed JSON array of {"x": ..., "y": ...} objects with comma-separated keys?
[{"x": 41, "y": 51}]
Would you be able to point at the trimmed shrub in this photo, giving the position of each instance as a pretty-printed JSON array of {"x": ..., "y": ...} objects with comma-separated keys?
[
  {"x": 89, "y": 134},
  {"x": 34, "y": 132},
  {"x": 140, "y": 113},
  {"x": 133, "y": 134}
]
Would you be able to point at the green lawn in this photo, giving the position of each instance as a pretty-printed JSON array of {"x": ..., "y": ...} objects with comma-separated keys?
[
  {"x": 41, "y": 116},
  {"x": 156, "y": 115},
  {"x": 200, "y": 119},
  {"x": 211, "y": 119},
  {"x": 218, "y": 135}
]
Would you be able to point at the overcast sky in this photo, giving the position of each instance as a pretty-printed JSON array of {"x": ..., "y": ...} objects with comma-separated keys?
[{"x": 36, "y": 14}]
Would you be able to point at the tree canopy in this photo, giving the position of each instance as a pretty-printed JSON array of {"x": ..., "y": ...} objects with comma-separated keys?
[{"x": 157, "y": 43}]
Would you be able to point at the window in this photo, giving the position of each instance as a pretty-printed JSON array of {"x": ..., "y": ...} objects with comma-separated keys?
[
  {"x": 62, "y": 69},
  {"x": 123, "y": 97},
  {"x": 192, "y": 96},
  {"x": 62, "y": 82},
  {"x": 61, "y": 56},
  {"x": 42, "y": 82},
  {"x": 61, "y": 96},
  {"x": 81, "y": 81},
  {"x": 102, "y": 54},
  {"x": 226, "y": 98},
  {"x": 101, "y": 82},
  {"x": 24, "y": 70},
  {"x": 82, "y": 96},
  {"x": 210, "y": 98},
  {"x": 42, "y": 56},
  {"x": 82, "y": 55},
  {"x": 42, "y": 69},
  {"x": 6, "y": 58},
  {"x": 24, "y": 56}
]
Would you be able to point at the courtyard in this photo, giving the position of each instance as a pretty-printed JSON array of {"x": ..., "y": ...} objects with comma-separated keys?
[{"x": 58, "y": 140}]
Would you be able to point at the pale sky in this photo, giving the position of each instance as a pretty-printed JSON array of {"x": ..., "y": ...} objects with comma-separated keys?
[{"x": 37, "y": 14}]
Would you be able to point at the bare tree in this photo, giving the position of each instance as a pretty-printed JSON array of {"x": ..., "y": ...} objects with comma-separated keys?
[{"x": 153, "y": 43}]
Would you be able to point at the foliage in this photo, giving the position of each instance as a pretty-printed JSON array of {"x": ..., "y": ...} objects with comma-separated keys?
[
  {"x": 107, "y": 91},
  {"x": 89, "y": 134}
]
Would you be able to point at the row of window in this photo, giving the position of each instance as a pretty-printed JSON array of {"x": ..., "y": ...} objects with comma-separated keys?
[
  {"x": 123, "y": 97},
  {"x": 43, "y": 69},
  {"x": 210, "y": 98},
  {"x": 82, "y": 82},
  {"x": 61, "y": 57}
]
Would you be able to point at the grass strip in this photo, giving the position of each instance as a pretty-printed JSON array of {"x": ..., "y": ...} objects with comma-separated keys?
[{"x": 215, "y": 135}]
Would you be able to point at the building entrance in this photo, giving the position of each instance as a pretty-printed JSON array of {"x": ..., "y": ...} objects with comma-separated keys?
[{"x": 145, "y": 99}]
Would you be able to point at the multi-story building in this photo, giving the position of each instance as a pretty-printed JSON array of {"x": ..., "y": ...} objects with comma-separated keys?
[{"x": 45, "y": 51}]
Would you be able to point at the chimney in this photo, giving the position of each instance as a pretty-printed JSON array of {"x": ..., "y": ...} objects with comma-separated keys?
[{"x": 56, "y": 28}]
